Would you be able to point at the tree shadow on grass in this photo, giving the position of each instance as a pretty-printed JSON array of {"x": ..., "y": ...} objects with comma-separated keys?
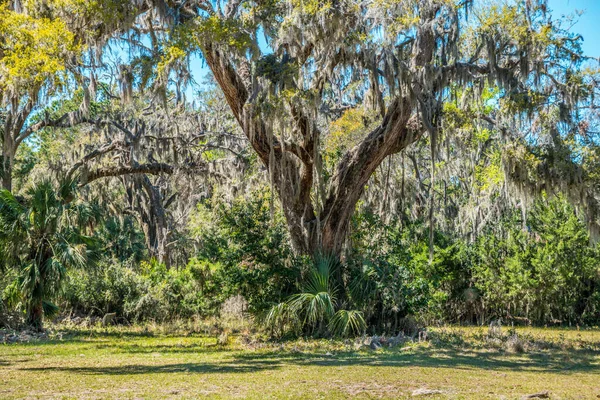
[
  {"x": 141, "y": 369},
  {"x": 567, "y": 362},
  {"x": 577, "y": 362},
  {"x": 74, "y": 336},
  {"x": 189, "y": 348},
  {"x": 84, "y": 334}
]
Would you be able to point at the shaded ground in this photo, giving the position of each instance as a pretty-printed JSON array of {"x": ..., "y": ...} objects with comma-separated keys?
[{"x": 128, "y": 364}]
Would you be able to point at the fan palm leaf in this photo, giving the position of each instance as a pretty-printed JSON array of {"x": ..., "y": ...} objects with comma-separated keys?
[{"x": 345, "y": 322}]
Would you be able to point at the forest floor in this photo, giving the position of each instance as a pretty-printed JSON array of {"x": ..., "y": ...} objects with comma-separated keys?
[{"x": 454, "y": 363}]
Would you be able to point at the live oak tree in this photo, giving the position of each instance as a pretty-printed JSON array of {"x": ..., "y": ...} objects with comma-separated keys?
[
  {"x": 148, "y": 161},
  {"x": 52, "y": 44},
  {"x": 397, "y": 60},
  {"x": 409, "y": 114},
  {"x": 41, "y": 57},
  {"x": 44, "y": 47}
]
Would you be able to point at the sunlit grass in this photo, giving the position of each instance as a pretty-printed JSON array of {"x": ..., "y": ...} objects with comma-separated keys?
[{"x": 154, "y": 362}]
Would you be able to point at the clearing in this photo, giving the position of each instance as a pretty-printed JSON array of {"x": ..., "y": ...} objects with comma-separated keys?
[{"x": 455, "y": 363}]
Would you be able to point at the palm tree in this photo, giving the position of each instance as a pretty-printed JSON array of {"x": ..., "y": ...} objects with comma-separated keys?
[{"x": 41, "y": 235}]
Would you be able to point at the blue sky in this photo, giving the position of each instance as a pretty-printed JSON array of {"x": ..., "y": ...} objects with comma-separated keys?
[{"x": 588, "y": 25}]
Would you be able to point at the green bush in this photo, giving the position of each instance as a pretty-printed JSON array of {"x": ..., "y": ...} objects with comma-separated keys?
[
  {"x": 142, "y": 293},
  {"x": 392, "y": 275},
  {"x": 249, "y": 243},
  {"x": 542, "y": 270},
  {"x": 546, "y": 273}
]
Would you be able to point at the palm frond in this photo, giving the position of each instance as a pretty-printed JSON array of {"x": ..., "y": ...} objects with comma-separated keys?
[
  {"x": 346, "y": 322},
  {"x": 10, "y": 211},
  {"x": 50, "y": 309},
  {"x": 67, "y": 189},
  {"x": 281, "y": 318},
  {"x": 327, "y": 264},
  {"x": 41, "y": 236},
  {"x": 319, "y": 279},
  {"x": 54, "y": 271},
  {"x": 70, "y": 254},
  {"x": 313, "y": 307},
  {"x": 29, "y": 278}
]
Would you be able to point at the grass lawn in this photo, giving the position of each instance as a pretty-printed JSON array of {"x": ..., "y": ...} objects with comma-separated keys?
[{"x": 131, "y": 363}]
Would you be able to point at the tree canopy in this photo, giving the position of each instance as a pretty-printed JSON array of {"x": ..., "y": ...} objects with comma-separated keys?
[{"x": 361, "y": 127}]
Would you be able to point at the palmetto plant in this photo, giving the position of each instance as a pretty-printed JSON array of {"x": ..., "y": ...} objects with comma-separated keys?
[
  {"x": 316, "y": 302},
  {"x": 345, "y": 322},
  {"x": 41, "y": 235},
  {"x": 314, "y": 309}
]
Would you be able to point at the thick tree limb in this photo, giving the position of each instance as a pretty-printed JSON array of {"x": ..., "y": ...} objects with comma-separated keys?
[
  {"x": 393, "y": 135},
  {"x": 107, "y": 148},
  {"x": 67, "y": 120},
  {"x": 149, "y": 168}
]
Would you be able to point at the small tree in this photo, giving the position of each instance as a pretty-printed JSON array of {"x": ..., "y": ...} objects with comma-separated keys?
[
  {"x": 41, "y": 235},
  {"x": 34, "y": 59}
]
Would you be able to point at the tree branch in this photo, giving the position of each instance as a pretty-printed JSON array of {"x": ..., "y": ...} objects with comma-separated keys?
[
  {"x": 67, "y": 120},
  {"x": 149, "y": 168},
  {"x": 94, "y": 154}
]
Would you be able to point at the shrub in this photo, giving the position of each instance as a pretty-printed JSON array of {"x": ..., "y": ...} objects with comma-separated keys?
[
  {"x": 250, "y": 245},
  {"x": 143, "y": 293}
]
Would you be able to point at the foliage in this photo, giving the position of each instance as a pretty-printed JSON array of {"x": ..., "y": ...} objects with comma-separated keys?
[
  {"x": 347, "y": 322},
  {"x": 396, "y": 277},
  {"x": 37, "y": 51},
  {"x": 251, "y": 249},
  {"x": 148, "y": 292},
  {"x": 122, "y": 239},
  {"x": 42, "y": 236},
  {"x": 315, "y": 304},
  {"x": 313, "y": 310},
  {"x": 444, "y": 153},
  {"x": 546, "y": 273}
]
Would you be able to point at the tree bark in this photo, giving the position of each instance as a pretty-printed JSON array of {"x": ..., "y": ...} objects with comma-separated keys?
[
  {"x": 15, "y": 132},
  {"x": 155, "y": 224},
  {"x": 148, "y": 168},
  {"x": 8, "y": 156},
  {"x": 35, "y": 316},
  {"x": 396, "y": 132},
  {"x": 291, "y": 166}
]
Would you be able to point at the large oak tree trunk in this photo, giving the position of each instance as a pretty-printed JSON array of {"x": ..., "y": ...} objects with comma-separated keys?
[
  {"x": 395, "y": 133},
  {"x": 291, "y": 167},
  {"x": 313, "y": 226}
]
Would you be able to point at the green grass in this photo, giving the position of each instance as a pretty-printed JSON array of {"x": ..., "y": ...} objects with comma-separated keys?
[{"x": 131, "y": 363}]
